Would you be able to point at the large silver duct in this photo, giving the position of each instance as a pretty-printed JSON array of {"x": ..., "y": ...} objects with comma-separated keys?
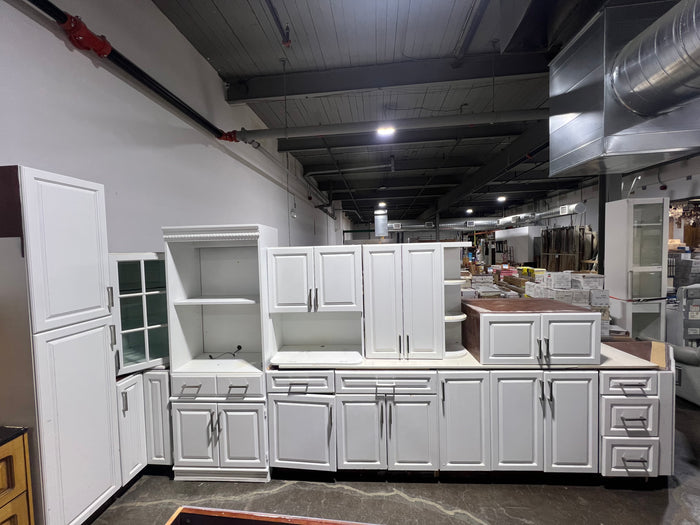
[{"x": 660, "y": 69}]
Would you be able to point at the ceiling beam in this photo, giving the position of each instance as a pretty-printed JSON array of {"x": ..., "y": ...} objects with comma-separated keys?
[
  {"x": 407, "y": 136},
  {"x": 377, "y": 76},
  {"x": 506, "y": 188},
  {"x": 399, "y": 165},
  {"x": 391, "y": 183},
  {"x": 534, "y": 139}
]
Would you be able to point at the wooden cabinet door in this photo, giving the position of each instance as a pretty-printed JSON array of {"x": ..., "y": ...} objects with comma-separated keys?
[
  {"x": 511, "y": 339},
  {"x": 465, "y": 422},
  {"x": 517, "y": 415},
  {"x": 242, "y": 436},
  {"x": 195, "y": 435},
  {"x": 412, "y": 432},
  {"x": 77, "y": 419},
  {"x": 423, "y": 300},
  {"x": 571, "y": 423},
  {"x": 132, "y": 426},
  {"x": 338, "y": 279},
  {"x": 156, "y": 388},
  {"x": 362, "y": 427},
  {"x": 383, "y": 301},
  {"x": 571, "y": 338},
  {"x": 302, "y": 431},
  {"x": 290, "y": 279},
  {"x": 66, "y": 246}
]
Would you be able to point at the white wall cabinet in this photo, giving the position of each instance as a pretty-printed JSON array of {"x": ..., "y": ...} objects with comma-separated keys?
[
  {"x": 156, "y": 389},
  {"x": 465, "y": 420},
  {"x": 404, "y": 301},
  {"x": 132, "y": 426},
  {"x": 315, "y": 279}
]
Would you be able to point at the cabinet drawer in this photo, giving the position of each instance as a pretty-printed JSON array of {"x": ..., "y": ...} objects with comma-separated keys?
[
  {"x": 630, "y": 416},
  {"x": 16, "y": 512},
  {"x": 629, "y": 383},
  {"x": 393, "y": 382},
  {"x": 191, "y": 386},
  {"x": 13, "y": 476},
  {"x": 239, "y": 387},
  {"x": 301, "y": 382},
  {"x": 630, "y": 457}
]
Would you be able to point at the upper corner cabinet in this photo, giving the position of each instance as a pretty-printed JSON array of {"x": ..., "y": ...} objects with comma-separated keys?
[
  {"x": 65, "y": 238},
  {"x": 315, "y": 279}
]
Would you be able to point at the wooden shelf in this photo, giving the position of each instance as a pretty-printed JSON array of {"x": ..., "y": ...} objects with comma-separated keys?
[
  {"x": 458, "y": 318},
  {"x": 212, "y": 301}
]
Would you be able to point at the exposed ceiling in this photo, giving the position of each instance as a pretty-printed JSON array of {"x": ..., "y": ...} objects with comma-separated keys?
[{"x": 387, "y": 60}]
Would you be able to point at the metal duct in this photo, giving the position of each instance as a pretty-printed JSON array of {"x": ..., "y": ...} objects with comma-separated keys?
[
  {"x": 660, "y": 69},
  {"x": 568, "y": 209}
]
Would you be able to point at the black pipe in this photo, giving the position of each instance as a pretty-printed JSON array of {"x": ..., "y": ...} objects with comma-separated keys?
[{"x": 135, "y": 72}]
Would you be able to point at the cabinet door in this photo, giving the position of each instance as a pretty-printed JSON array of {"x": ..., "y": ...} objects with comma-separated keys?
[
  {"x": 241, "y": 428},
  {"x": 413, "y": 433},
  {"x": 77, "y": 416},
  {"x": 465, "y": 433},
  {"x": 511, "y": 339},
  {"x": 338, "y": 279},
  {"x": 66, "y": 241},
  {"x": 571, "y": 338},
  {"x": 156, "y": 389},
  {"x": 195, "y": 435},
  {"x": 423, "y": 300},
  {"x": 290, "y": 279},
  {"x": 517, "y": 415},
  {"x": 302, "y": 434},
  {"x": 571, "y": 424},
  {"x": 383, "y": 301},
  {"x": 361, "y": 431},
  {"x": 132, "y": 426}
]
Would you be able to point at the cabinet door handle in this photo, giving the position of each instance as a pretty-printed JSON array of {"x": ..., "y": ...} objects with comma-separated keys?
[
  {"x": 316, "y": 300},
  {"x": 330, "y": 422},
  {"x": 639, "y": 460},
  {"x": 539, "y": 349},
  {"x": 308, "y": 301},
  {"x": 110, "y": 298},
  {"x": 125, "y": 402},
  {"x": 625, "y": 420},
  {"x": 443, "y": 396},
  {"x": 546, "y": 344},
  {"x": 381, "y": 419},
  {"x": 211, "y": 425},
  {"x": 112, "y": 335},
  {"x": 391, "y": 411},
  {"x": 541, "y": 389},
  {"x": 400, "y": 353},
  {"x": 551, "y": 392},
  {"x": 408, "y": 345},
  {"x": 218, "y": 424}
]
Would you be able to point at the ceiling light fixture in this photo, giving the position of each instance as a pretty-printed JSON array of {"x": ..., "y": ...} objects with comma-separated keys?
[
  {"x": 470, "y": 211},
  {"x": 385, "y": 131},
  {"x": 382, "y": 204},
  {"x": 502, "y": 198}
]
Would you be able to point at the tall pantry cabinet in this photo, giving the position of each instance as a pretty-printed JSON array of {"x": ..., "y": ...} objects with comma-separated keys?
[{"x": 56, "y": 363}]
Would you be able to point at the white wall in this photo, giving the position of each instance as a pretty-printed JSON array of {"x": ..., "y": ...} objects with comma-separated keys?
[{"x": 69, "y": 112}]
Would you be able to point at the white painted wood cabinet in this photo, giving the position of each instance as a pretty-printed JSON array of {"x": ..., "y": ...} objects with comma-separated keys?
[
  {"x": 315, "y": 279},
  {"x": 156, "y": 389},
  {"x": 132, "y": 426}
]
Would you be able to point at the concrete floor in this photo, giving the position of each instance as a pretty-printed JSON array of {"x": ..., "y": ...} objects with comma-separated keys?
[{"x": 456, "y": 499}]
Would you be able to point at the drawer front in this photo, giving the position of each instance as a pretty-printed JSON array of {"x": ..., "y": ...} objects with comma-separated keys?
[
  {"x": 630, "y": 457},
  {"x": 13, "y": 477},
  {"x": 16, "y": 512},
  {"x": 239, "y": 387},
  {"x": 301, "y": 382},
  {"x": 390, "y": 382},
  {"x": 629, "y": 383},
  {"x": 630, "y": 416},
  {"x": 192, "y": 386}
]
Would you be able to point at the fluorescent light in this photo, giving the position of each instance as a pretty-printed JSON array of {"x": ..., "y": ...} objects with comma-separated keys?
[
  {"x": 501, "y": 199},
  {"x": 470, "y": 211},
  {"x": 385, "y": 131},
  {"x": 380, "y": 212},
  {"x": 382, "y": 204}
]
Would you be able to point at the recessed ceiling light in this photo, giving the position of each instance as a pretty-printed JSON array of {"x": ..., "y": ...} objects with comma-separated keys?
[
  {"x": 470, "y": 211},
  {"x": 382, "y": 204},
  {"x": 502, "y": 198},
  {"x": 385, "y": 131}
]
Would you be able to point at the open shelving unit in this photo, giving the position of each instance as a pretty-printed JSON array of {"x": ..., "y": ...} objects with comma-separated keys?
[{"x": 453, "y": 299}]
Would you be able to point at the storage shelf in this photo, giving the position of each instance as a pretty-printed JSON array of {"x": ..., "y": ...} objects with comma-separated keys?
[
  {"x": 454, "y": 282},
  {"x": 458, "y": 318},
  {"x": 318, "y": 355},
  {"x": 212, "y": 300}
]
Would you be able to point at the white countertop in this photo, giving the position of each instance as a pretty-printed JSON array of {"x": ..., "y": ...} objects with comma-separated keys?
[{"x": 217, "y": 366}]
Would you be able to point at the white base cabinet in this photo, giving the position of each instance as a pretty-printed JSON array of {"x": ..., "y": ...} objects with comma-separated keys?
[
  {"x": 132, "y": 426},
  {"x": 156, "y": 391}
]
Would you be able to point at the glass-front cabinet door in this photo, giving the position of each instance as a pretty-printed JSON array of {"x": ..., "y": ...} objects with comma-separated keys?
[
  {"x": 647, "y": 270},
  {"x": 139, "y": 310}
]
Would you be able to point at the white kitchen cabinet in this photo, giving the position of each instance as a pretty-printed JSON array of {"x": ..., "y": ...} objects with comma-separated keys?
[
  {"x": 156, "y": 389},
  {"x": 302, "y": 431},
  {"x": 465, "y": 420},
  {"x": 241, "y": 435},
  {"x": 362, "y": 431},
  {"x": 571, "y": 338},
  {"x": 315, "y": 279},
  {"x": 194, "y": 434},
  {"x": 413, "y": 440},
  {"x": 404, "y": 301},
  {"x": 132, "y": 426},
  {"x": 511, "y": 338}
]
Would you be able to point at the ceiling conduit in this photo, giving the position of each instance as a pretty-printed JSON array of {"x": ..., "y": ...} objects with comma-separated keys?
[{"x": 659, "y": 70}]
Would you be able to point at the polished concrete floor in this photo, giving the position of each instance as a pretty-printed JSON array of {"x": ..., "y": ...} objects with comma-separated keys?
[{"x": 421, "y": 499}]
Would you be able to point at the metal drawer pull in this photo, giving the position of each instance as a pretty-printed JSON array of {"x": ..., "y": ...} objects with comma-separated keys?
[
  {"x": 303, "y": 387},
  {"x": 242, "y": 393},
  {"x": 631, "y": 385},
  {"x": 640, "y": 460},
  {"x": 125, "y": 402},
  {"x": 627, "y": 419},
  {"x": 196, "y": 389}
]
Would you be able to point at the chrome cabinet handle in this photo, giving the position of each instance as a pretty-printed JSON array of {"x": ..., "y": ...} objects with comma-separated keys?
[
  {"x": 627, "y": 419},
  {"x": 211, "y": 425},
  {"x": 639, "y": 460},
  {"x": 330, "y": 422},
  {"x": 112, "y": 335},
  {"x": 539, "y": 348},
  {"x": 548, "y": 355},
  {"x": 541, "y": 389},
  {"x": 110, "y": 298},
  {"x": 408, "y": 345},
  {"x": 381, "y": 420},
  {"x": 125, "y": 402},
  {"x": 316, "y": 301},
  {"x": 551, "y": 392},
  {"x": 390, "y": 416},
  {"x": 308, "y": 301},
  {"x": 400, "y": 353},
  {"x": 631, "y": 385}
]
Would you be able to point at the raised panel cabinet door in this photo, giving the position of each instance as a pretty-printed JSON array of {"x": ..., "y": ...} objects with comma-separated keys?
[
  {"x": 290, "y": 279},
  {"x": 571, "y": 338},
  {"x": 465, "y": 426},
  {"x": 132, "y": 426},
  {"x": 338, "y": 279},
  {"x": 413, "y": 433},
  {"x": 302, "y": 431},
  {"x": 77, "y": 419},
  {"x": 195, "y": 435},
  {"x": 383, "y": 301},
  {"x": 511, "y": 339},
  {"x": 66, "y": 242},
  {"x": 156, "y": 388},
  {"x": 517, "y": 420},
  {"x": 423, "y": 300},
  {"x": 241, "y": 428},
  {"x": 571, "y": 423},
  {"x": 362, "y": 427}
]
